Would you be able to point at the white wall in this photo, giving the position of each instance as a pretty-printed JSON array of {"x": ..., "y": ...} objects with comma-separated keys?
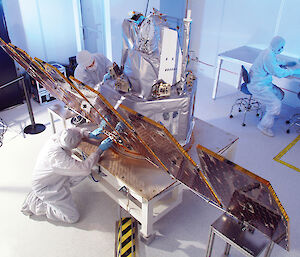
[
  {"x": 119, "y": 10},
  {"x": 43, "y": 28},
  {"x": 173, "y": 8},
  {"x": 289, "y": 26},
  {"x": 222, "y": 25}
]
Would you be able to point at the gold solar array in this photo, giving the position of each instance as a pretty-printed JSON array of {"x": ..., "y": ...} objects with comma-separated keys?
[
  {"x": 140, "y": 135},
  {"x": 174, "y": 158},
  {"x": 245, "y": 195}
]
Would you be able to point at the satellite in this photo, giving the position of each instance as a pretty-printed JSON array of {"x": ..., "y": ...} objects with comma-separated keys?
[{"x": 246, "y": 196}]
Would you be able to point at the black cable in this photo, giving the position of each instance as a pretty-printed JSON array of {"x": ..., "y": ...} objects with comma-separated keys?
[
  {"x": 84, "y": 157},
  {"x": 146, "y": 8},
  {"x": 95, "y": 180}
]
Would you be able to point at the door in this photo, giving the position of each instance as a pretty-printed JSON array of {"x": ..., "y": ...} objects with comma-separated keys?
[{"x": 93, "y": 26}]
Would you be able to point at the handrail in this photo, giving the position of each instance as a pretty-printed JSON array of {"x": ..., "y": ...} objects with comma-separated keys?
[
  {"x": 33, "y": 128},
  {"x": 11, "y": 82}
]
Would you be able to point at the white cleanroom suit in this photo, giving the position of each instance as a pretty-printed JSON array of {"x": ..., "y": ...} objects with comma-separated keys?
[
  {"x": 91, "y": 68},
  {"x": 55, "y": 172},
  {"x": 264, "y": 67}
]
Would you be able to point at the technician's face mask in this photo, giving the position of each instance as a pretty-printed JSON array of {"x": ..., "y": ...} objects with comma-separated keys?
[
  {"x": 92, "y": 67},
  {"x": 280, "y": 49}
]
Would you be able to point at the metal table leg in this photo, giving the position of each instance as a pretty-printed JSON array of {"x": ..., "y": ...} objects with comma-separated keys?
[
  {"x": 210, "y": 242},
  {"x": 250, "y": 244},
  {"x": 147, "y": 233},
  {"x": 218, "y": 69},
  {"x": 269, "y": 249},
  {"x": 52, "y": 121},
  {"x": 227, "y": 249},
  {"x": 240, "y": 79}
]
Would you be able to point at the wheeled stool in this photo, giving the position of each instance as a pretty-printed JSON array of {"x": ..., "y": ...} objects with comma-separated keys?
[
  {"x": 246, "y": 104},
  {"x": 294, "y": 120}
]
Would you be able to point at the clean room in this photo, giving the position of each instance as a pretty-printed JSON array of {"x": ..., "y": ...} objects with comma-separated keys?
[{"x": 149, "y": 128}]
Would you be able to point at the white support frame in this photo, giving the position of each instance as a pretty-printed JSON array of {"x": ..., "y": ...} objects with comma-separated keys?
[{"x": 147, "y": 212}]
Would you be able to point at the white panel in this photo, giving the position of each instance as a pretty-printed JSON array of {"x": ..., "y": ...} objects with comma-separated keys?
[
  {"x": 57, "y": 20},
  {"x": 205, "y": 29},
  {"x": 93, "y": 23},
  {"x": 32, "y": 28},
  {"x": 170, "y": 61},
  {"x": 289, "y": 27},
  {"x": 78, "y": 25}
]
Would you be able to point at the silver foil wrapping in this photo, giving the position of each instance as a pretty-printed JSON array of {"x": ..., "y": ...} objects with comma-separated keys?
[
  {"x": 142, "y": 71},
  {"x": 142, "y": 48},
  {"x": 141, "y": 53},
  {"x": 174, "y": 112},
  {"x": 129, "y": 34}
]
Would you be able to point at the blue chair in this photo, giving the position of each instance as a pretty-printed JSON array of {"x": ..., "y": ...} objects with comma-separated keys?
[
  {"x": 246, "y": 104},
  {"x": 294, "y": 120}
]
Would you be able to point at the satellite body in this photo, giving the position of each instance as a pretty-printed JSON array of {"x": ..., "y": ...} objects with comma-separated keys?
[
  {"x": 235, "y": 190},
  {"x": 152, "y": 62}
]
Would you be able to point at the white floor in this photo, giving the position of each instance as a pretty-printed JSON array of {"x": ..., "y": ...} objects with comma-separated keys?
[{"x": 181, "y": 233}]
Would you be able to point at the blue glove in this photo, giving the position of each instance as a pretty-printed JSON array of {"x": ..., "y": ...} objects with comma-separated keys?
[
  {"x": 91, "y": 135},
  {"x": 105, "y": 144},
  {"x": 94, "y": 134},
  {"x": 106, "y": 77},
  {"x": 290, "y": 64},
  {"x": 120, "y": 127}
]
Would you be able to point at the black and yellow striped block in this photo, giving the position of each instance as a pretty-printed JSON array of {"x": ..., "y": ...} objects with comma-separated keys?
[{"x": 126, "y": 234}]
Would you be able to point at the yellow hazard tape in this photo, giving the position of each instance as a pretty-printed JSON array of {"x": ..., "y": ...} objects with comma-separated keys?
[
  {"x": 126, "y": 245},
  {"x": 284, "y": 151}
]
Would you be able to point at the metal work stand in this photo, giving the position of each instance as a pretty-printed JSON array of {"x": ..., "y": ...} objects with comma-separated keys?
[
  {"x": 249, "y": 243},
  {"x": 34, "y": 128}
]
